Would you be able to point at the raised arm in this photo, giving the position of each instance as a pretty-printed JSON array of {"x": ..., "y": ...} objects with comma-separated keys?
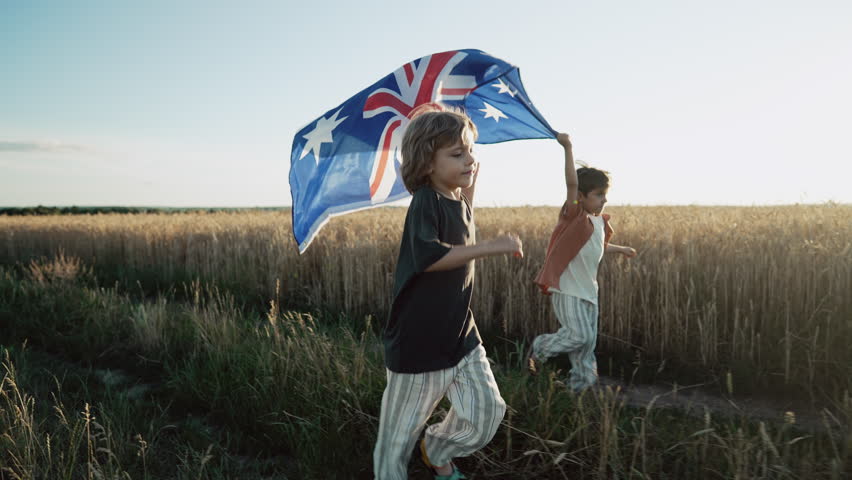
[{"x": 571, "y": 183}]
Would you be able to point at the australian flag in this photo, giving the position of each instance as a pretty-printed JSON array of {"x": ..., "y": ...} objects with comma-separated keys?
[{"x": 348, "y": 159}]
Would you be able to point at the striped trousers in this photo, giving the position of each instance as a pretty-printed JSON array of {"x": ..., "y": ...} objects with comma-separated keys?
[
  {"x": 577, "y": 337},
  {"x": 409, "y": 400}
]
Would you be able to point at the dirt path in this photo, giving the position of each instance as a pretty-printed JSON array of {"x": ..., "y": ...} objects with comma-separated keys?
[{"x": 693, "y": 401}]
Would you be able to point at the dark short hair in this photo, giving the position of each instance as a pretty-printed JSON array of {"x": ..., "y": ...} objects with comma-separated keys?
[
  {"x": 592, "y": 178},
  {"x": 425, "y": 134}
]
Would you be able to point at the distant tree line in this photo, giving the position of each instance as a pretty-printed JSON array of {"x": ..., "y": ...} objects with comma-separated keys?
[{"x": 74, "y": 210}]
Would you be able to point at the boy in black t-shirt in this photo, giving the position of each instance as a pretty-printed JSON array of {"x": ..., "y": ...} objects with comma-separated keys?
[{"x": 432, "y": 346}]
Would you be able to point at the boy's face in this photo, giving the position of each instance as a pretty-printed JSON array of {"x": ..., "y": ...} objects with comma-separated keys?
[
  {"x": 594, "y": 202},
  {"x": 454, "y": 166}
]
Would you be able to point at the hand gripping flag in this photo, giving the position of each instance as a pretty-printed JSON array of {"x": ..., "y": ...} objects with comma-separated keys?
[{"x": 348, "y": 159}]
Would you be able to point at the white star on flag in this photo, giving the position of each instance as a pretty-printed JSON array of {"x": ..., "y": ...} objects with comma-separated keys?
[
  {"x": 503, "y": 87},
  {"x": 321, "y": 134},
  {"x": 492, "y": 112}
]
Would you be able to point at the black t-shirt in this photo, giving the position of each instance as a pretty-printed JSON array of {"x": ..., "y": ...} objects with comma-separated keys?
[{"x": 431, "y": 326}]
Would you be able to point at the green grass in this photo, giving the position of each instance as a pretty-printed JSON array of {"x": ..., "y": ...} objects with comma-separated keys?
[{"x": 201, "y": 387}]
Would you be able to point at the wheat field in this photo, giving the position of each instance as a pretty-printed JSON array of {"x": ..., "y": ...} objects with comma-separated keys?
[{"x": 762, "y": 289}]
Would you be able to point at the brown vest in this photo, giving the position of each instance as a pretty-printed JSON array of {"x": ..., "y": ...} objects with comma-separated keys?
[{"x": 571, "y": 233}]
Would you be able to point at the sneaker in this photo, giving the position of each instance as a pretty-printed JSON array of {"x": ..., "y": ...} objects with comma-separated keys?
[{"x": 456, "y": 475}]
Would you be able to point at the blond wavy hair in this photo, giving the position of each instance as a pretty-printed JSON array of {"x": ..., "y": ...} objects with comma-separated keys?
[{"x": 430, "y": 129}]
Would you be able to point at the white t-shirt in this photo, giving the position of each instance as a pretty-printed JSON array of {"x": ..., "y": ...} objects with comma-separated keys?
[{"x": 580, "y": 279}]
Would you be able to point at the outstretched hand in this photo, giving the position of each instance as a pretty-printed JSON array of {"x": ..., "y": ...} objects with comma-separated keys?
[
  {"x": 564, "y": 139},
  {"x": 510, "y": 243}
]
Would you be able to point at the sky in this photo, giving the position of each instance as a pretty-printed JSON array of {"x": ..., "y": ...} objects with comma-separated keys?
[{"x": 195, "y": 103}]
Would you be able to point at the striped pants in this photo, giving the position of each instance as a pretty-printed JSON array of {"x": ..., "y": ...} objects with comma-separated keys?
[
  {"x": 408, "y": 402},
  {"x": 577, "y": 337}
]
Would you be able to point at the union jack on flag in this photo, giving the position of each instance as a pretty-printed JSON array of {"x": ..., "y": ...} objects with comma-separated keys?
[{"x": 348, "y": 159}]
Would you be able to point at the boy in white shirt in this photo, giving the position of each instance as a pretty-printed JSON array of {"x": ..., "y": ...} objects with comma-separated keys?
[{"x": 569, "y": 273}]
